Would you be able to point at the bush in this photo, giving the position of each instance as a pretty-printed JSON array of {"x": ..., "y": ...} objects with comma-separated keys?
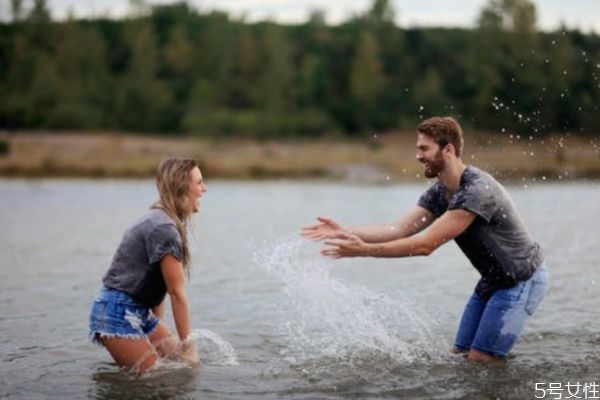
[
  {"x": 260, "y": 124},
  {"x": 4, "y": 147},
  {"x": 74, "y": 116}
]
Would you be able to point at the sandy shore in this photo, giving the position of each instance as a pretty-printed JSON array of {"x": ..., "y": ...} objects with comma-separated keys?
[{"x": 379, "y": 158}]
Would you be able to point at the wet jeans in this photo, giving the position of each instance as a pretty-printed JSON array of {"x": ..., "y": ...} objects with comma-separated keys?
[{"x": 494, "y": 326}]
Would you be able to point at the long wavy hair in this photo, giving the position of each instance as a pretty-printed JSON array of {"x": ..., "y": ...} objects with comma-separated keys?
[{"x": 173, "y": 183}]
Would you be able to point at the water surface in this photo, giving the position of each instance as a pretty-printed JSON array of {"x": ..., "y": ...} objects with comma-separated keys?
[{"x": 274, "y": 319}]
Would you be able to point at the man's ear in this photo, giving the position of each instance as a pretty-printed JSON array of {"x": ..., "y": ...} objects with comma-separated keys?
[{"x": 450, "y": 149}]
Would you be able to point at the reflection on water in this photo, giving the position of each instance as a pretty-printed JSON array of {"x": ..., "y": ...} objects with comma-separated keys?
[
  {"x": 165, "y": 383},
  {"x": 274, "y": 319}
]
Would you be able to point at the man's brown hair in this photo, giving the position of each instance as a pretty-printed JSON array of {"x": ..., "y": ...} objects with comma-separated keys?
[{"x": 443, "y": 130}]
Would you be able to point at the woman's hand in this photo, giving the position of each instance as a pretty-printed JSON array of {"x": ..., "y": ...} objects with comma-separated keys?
[
  {"x": 344, "y": 244},
  {"x": 324, "y": 229},
  {"x": 188, "y": 352}
]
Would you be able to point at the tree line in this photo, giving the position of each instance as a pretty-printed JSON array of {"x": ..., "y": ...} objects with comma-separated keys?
[{"x": 172, "y": 69}]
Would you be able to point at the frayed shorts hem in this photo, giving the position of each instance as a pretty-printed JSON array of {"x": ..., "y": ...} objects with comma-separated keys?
[{"x": 95, "y": 336}]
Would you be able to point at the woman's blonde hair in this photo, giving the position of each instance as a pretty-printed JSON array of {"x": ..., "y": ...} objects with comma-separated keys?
[{"x": 173, "y": 183}]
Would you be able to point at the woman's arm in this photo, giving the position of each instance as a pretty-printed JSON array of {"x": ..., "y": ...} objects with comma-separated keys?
[{"x": 172, "y": 271}]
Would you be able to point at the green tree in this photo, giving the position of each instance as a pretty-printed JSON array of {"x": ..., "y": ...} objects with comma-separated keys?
[
  {"x": 142, "y": 100},
  {"x": 32, "y": 90},
  {"x": 366, "y": 78},
  {"x": 429, "y": 93},
  {"x": 247, "y": 70},
  {"x": 380, "y": 13},
  {"x": 178, "y": 52},
  {"x": 274, "y": 82},
  {"x": 504, "y": 65},
  {"x": 561, "y": 113},
  {"x": 16, "y": 10},
  {"x": 213, "y": 82},
  {"x": 80, "y": 79}
]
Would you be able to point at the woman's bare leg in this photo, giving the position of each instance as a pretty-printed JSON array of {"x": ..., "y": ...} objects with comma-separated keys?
[
  {"x": 135, "y": 354},
  {"x": 163, "y": 340}
]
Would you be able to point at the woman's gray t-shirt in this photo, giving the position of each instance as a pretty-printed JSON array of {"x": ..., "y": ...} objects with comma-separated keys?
[
  {"x": 497, "y": 242},
  {"x": 135, "y": 268}
]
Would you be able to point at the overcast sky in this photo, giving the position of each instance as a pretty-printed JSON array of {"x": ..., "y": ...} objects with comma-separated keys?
[{"x": 582, "y": 14}]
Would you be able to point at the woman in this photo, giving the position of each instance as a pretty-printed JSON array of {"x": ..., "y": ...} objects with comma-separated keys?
[{"x": 152, "y": 260}]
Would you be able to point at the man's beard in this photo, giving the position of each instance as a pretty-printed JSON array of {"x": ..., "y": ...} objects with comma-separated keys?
[{"x": 436, "y": 166}]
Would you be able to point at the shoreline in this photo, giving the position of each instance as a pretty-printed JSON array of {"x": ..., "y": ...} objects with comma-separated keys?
[{"x": 378, "y": 159}]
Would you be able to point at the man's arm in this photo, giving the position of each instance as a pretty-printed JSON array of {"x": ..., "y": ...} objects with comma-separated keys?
[
  {"x": 413, "y": 222},
  {"x": 447, "y": 227}
]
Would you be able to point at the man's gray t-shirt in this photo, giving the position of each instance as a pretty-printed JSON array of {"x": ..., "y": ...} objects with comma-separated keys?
[
  {"x": 135, "y": 268},
  {"x": 497, "y": 242}
]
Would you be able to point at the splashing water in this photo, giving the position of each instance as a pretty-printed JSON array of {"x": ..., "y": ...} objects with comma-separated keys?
[
  {"x": 325, "y": 319},
  {"x": 213, "y": 349}
]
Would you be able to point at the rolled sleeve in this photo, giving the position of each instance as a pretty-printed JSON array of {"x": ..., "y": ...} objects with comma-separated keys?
[{"x": 163, "y": 240}]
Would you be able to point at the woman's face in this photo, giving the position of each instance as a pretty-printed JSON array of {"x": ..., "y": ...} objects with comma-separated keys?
[{"x": 197, "y": 189}]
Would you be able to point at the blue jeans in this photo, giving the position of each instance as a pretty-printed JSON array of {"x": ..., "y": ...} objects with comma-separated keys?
[
  {"x": 494, "y": 326},
  {"x": 116, "y": 314}
]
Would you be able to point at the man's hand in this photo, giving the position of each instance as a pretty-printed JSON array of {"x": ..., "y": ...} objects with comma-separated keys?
[
  {"x": 344, "y": 244},
  {"x": 326, "y": 228}
]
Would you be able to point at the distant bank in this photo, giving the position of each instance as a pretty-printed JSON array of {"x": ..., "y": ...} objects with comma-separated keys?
[{"x": 379, "y": 158}]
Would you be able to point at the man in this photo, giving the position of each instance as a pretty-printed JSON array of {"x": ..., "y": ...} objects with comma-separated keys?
[{"x": 469, "y": 206}]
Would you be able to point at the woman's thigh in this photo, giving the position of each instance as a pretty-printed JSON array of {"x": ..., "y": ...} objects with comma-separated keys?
[
  {"x": 136, "y": 355},
  {"x": 163, "y": 340}
]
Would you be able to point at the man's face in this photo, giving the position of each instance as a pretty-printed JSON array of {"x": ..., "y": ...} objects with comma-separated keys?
[{"x": 429, "y": 154}]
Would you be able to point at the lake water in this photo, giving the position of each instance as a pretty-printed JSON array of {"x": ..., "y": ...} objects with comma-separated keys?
[{"x": 274, "y": 319}]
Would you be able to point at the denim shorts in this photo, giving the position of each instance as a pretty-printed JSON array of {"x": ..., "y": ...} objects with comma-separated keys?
[
  {"x": 115, "y": 314},
  {"x": 494, "y": 326}
]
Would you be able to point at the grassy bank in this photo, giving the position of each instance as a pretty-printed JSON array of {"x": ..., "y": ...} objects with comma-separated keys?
[{"x": 381, "y": 158}]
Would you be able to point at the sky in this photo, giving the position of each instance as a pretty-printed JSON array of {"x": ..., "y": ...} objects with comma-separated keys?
[{"x": 580, "y": 14}]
